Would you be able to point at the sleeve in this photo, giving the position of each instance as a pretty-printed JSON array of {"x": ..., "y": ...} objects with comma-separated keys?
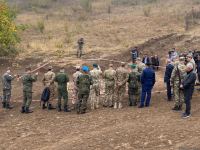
[
  {"x": 53, "y": 77},
  {"x": 56, "y": 78},
  {"x": 191, "y": 79},
  {"x": 166, "y": 77},
  {"x": 154, "y": 78},
  {"x": 128, "y": 78},
  {"x": 142, "y": 77},
  {"x": 173, "y": 75},
  {"x": 9, "y": 77},
  {"x": 67, "y": 78},
  {"x": 77, "y": 81}
]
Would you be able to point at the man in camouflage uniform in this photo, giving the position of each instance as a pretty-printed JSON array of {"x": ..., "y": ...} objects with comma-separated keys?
[
  {"x": 110, "y": 77},
  {"x": 84, "y": 82},
  {"x": 27, "y": 80},
  {"x": 62, "y": 79},
  {"x": 95, "y": 90},
  {"x": 140, "y": 65},
  {"x": 7, "y": 87},
  {"x": 121, "y": 79},
  {"x": 176, "y": 79},
  {"x": 75, "y": 88},
  {"x": 48, "y": 81},
  {"x": 133, "y": 86},
  {"x": 80, "y": 47}
]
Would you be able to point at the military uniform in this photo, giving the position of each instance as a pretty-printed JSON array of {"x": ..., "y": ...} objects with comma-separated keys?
[
  {"x": 27, "y": 81},
  {"x": 95, "y": 90},
  {"x": 121, "y": 79},
  {"x": 133, "y": 87},
  {"x": 62, "y": 79},
  {"x": 75, "y": 88},
  {"x": 84, "y": 82},
  {"x": 110, "y": 77},
  {"x": 48, "y": 81},
  {"x": 80, "y": 47},
  {"x": 7, "y": 87},
  {"x": 176, "y": 79}
]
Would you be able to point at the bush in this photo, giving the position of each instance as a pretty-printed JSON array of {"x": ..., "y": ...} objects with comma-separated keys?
[
  {"x": 8, "y": 31},
  {"x": 147, "y": 11},
  {"x": 41, "y": 26}
]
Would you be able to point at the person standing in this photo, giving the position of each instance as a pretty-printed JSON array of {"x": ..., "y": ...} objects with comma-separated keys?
[
  {"x": 121, "y": 79},
  {"x": 48, "y": 81},
  {"x": 75, "y": 87},
  {"x": 188, "y": 89},
  {"x": 168, "y": 73},
  {"x": 7, "y": 79},
  {"x": 147, "y": 80},
  {"x": 146, "y": 59},
  {"x": 80, "y": 47},
  {"x": 110, "y": 77},
  {"x": 175, "y": 81},
  {"x": 133, "y": 85},
  {"x": 95, "y": 90},
  {"x": 135, "y": 53},
  {"x": 84, "y": 82},
  {"x": 27, "y": 80},
  {"x": 62, "y": 79}
]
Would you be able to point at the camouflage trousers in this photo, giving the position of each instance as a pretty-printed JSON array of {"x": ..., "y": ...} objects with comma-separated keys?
[
  {"x": 79, "y": 52},
  {"x": 178, "y": 96},
  {"x": 6, "y": 96},
  {"x": 95, "y": 96},
  {"x": 134, "y": 95},
  {"x": 62, "y": 93},
  {"x": 52, "y": 93},
  {"x": 109, "y": 96},
  {"x": 120, "y": 95},
  {"x": 74, "y": 95},
  {"x": 27, "y": 98},
  {"x": 82, "y": 102}
]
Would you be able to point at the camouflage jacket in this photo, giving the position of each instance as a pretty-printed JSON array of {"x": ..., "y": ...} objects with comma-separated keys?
[
  {"x": 134, "y": 79},
  {"x": 49, "y": 78},
  {"x": 27, "y": 81},
  {"x": 141, "y": 66},
  {"x": 121, "y": 76},
  {"x": 75, "y": 76},
  {"x": 84, "y": 82},
  {"x": 110, "y": 76},
  {"x": 96, "y": 74},
  {"x": 62, "y": 79},
  {"x": 6, "y": 81},
  {"x": 178, "y": 69}
]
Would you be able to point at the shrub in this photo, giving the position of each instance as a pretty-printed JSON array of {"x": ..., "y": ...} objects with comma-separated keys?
[
  {"x": 8, "y": 31},
  {"x": 41, "y": 26},
  {"x": 86, "y": 5}
]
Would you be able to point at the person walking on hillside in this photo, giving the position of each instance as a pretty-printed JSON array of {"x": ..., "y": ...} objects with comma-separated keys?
[
  {"x": 148, "y": 80},
  {"x": 84, "y": 82},
  {"x": 80, "y": 47},
  {"x": 188, "y": 89},
  {"x": 95, "y": 90},
  {"x": 110, "y": 78},
  {"x": 168, "y": 73},
  {"x": 176, "y": 79},
  {"x": 62, "y": 79},
  {"x": 7, "y": 79},
  {"x": 121, "y": 79},
  {"x": 48, "y": 81},
  {"x": 27, "y": 80}
]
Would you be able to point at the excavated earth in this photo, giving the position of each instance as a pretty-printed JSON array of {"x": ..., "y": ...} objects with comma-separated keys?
[{"x": 153, "y": 128}]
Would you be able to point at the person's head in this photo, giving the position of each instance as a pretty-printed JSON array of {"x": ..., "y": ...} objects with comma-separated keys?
[
  {"x": 62, "y": 70},
  {"x": 189, "y": 57},
  {"x": 138, "y": 59},
  {"x": 95, "y": 66},
  {"x": 189, "y": 67},
  {"x": 78, "y": 68},
  {"x": 133, "y": 66},
  {"x": 123, "y": 64},
  {"x": 8, "y": 70},
  {"x": 111, "y": 65},
  {"x": 85, "y": 69},
  {"x": 50, "y": 68},
  {"x": 28, "y": 69},
  {"x": 148, "y": 64}
]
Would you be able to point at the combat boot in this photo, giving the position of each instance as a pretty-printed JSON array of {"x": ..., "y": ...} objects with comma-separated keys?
[
  {"x": 50, "y": 107},
  {"x": 120, "y": 105},
  {"x": 59, "y": 109},
  {"x": 66, "y": 109},
  {"x": 175, "y": 108},
  {"x": 115, "y": 106},
  {"x": 4, "y": 104},
  {"x": 44, "y": 106},
  {"x": 179, "y": 108},
  {"x": 23, "y": 109},
  {"x": 8, "y": 106},
  {"x": 28, "y": 111}
]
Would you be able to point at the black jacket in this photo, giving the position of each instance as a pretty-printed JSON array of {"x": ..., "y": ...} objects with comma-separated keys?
[
  {"x": 189, "y": 80},
  {"x": 168, "y": 72}
]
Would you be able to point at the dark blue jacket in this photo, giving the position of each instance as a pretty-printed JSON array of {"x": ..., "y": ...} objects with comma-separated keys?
[
  {"x": 148, "y": 78},
  {"x": 198, "y": 66},
  {"x": 45, "y": 95},
  {"x": 146, "y": 60},
  {"x": 168, "y": 72}
]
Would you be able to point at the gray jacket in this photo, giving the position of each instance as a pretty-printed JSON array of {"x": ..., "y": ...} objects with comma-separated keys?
[{"x": 6, "y": 81}]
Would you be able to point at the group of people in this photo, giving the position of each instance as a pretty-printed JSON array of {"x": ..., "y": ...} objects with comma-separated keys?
[{"x": 180, "y": 75}]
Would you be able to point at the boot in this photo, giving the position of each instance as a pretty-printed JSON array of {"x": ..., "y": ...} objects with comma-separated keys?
[
  {"x": 66, "y": 109},
  {"x": 59, "y": 109},
  {"x": 120, "y": 105},
  {"x": 4, "y": 104},
  {"x": 115, "y": 105},
  {"x": 28, "y": 111},
  {"x": 8, "y": 106},
  {"x": 179, "y": 108},
  {"x": 44, "y": 106},
  {"x": 23, "y": 109},
  {"x": 175, "y": 108},
  {"x": 50, "y": 107}
]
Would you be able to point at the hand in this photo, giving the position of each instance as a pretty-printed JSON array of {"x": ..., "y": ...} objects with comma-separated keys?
[{"x": 36, "y": 73}]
